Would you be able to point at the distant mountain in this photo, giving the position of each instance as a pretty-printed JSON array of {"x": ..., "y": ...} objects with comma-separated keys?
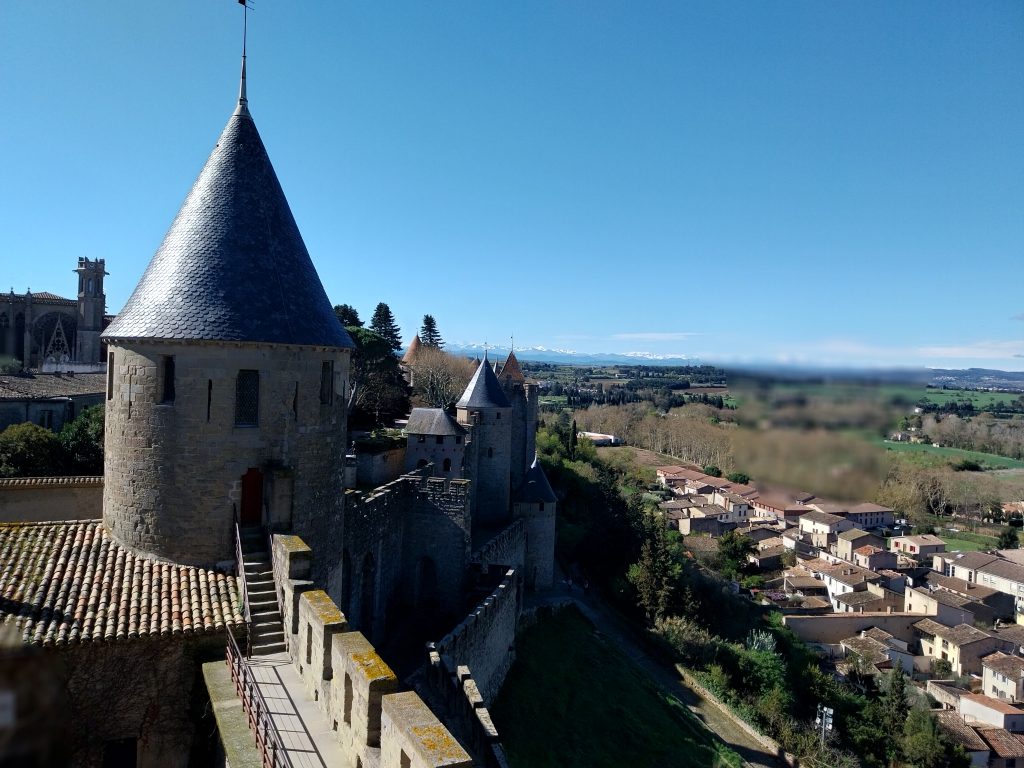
[
  {"x": 979, "y": 378},
  {"x": 570, "y": 357}
]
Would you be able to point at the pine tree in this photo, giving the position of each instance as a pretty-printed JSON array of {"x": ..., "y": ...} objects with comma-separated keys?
[
  {"x": 895, "y": 708},
  {"x": 429, "y": 335},
  {"x": 383, "y": 324},
  {"x": 348, "y": 315},
  {"x": 573, "y": 441}
]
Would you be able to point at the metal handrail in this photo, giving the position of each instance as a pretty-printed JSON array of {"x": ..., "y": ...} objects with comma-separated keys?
[
  {"x": 245, "y": 591},
  {"x": 273, "y": 577},
  {"x": 268, "y": 738}
]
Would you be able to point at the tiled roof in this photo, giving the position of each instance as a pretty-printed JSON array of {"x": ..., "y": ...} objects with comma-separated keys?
[
  {"x": 1004, "y": 569},
  {"x": 960, "y": 732},
  {"x": 821, "y": 517},
  {"x": 233, "y": 266},
  {"x": 855, "y": 533},
  {"x": 1004, "y": 664},
  {"x": 483, "y": 390},
  {"x": 511, "y": 371},
  {"x": 432, "y": 421},
  {"x": 959, "y": 586},
  {"x": 414, "y": 348},
  {"x": 31, "y": 386},
  {"x": 37, "y": 482},
  {"x": 1003, "y": 743},
  {"x": 858, "y": 598},
  {"x": 1013, "y": 633},
  {"x": 52, "y": 298},
  {"x": 869, "y": 507},
  {"x": 961, "y": 634},
  {"x": 996, "y": 705},
  {"x": 69, "y": 582},
  {"x": 971, "y": 560},
  {"x": 869, "y": 649}
]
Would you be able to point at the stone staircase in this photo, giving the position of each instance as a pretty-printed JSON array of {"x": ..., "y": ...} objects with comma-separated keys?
[{"x": 267, "y": 627}]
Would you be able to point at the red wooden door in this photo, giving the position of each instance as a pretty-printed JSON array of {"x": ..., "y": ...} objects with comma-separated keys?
[{"x": 252, "y": 498}]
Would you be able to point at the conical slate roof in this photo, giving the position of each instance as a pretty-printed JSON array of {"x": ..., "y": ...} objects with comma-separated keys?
[
  {"x": 536, "y": 486},
  {"x": 483, "y": 391},
  {"x": 510, "y": 370},
  {"x": 233, "y": 266}
]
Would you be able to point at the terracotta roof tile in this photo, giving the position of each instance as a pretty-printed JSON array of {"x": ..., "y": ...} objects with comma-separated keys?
[{"x": 70, "y": 582}]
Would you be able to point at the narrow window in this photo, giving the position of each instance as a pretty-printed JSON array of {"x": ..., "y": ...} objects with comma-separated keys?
[
  {"x": 247, "y": 398},
  {"x": 490, "y": 453},
  {"x": 439, "y": 439},
  {"x": 458, "y": 439},
  {"x": 497, "y": 416},
  {"x": 110, "y": 376},
  {"x": 309, "y": 644},
  {"x": 327, "y": 382},
  {"x": 209, "y": 398},
  {"x": 295, "y": 401},
  {"x": 540, "y": 506},
  {"x": 348, "y": 699},
  {"x": 168, "y": 391},
  {"x": 447, "y": 466},
  {"x": 90, "y": 286}
]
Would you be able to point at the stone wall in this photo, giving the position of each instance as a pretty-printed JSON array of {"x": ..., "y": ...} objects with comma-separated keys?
[
  {"x": 139, "y": 690},
  {"x": 539, "y": 521},
  {"x": 173, "y": 470},
  {"x": 35, "y": 499},
  {"x": 488, "y": 463},
  {"x": 350, "y": 683},
  {"x": 484, "y": 641},
  {"x": 437, "y": 541},
  {"x": 379, "y": 468},
  {"x": 506, "y": 548},
  {"x": 833, "y": 627}
]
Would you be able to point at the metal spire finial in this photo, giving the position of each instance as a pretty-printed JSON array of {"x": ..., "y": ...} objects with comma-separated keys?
[{"x": 243, "y": 101}]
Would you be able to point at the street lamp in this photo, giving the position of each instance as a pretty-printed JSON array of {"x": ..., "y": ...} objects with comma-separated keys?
[{"x": 824, "y": 719}]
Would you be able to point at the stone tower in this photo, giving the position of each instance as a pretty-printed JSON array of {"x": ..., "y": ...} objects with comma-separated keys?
[
  {"x": 523, "y": 399},
  {"x": 92, "y": 304},
  {"x": 227, "y": 373},
  {"x": 485, "y": 409},
  {"x": 535, "y": 505}
]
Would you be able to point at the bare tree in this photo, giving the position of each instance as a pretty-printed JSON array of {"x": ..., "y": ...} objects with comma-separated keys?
[{"x": 439, "y": 378}]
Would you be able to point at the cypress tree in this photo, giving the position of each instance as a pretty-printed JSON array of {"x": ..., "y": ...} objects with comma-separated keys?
[
  {"x": 383, "y": 324},
  {"x": 429, "y": 335}
]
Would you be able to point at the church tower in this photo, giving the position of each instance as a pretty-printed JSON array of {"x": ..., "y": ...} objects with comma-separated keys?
[
  {"x": 227, "y": 373},
  {"x": 485, "y": 409},
  {"x": 92, "y": 304}
]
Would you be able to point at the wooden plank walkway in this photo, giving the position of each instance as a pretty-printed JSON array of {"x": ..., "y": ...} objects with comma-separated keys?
[{"x": 307, "y": 736}]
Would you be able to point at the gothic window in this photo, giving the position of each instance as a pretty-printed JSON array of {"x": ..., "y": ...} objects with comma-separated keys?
[
  {"x": 167, "y": 363},
  {"x": 327, "y": 382},
  {"x": 247, "y": 398}
]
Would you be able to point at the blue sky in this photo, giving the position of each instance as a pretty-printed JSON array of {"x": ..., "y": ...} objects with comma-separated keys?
[{"x": 837, "y": 183}]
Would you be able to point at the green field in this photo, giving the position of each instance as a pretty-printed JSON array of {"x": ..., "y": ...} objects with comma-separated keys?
[
  {"x": 571, "y": 699},
  {"x": 908, "y": 394},
  {"x": 988, "y": 460},
  {"x": 953, "y": 544}
]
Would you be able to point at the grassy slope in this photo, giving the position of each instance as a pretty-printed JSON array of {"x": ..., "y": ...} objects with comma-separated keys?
[
  {"x": 573, "y": 700},
  {"x": 954, "y": 454}
]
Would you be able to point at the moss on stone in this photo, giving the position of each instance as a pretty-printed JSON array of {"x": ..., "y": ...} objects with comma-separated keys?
[{"x": 373, "y": 666}]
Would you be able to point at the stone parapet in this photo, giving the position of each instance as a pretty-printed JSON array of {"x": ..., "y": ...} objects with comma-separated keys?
[{"x": 349, "y": 681}]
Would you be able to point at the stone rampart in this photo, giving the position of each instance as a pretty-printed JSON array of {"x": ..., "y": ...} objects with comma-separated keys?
[
  {"x": 485, "y": 640},
  {"x": 37, "y": 499},
  {"x": 507, "y": 548},
  {"x": 350, "y": 683}
]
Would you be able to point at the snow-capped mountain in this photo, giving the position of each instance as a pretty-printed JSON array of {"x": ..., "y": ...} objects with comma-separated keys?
[{"x": 569, "y": 356}]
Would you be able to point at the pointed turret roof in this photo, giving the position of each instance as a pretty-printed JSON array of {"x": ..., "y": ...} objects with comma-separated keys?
[
  {"x": 414, "y": 347},
  {"x": 483, "y": 391},
  {"x": 536, "y": 486},
  {"x": 233, "y": 266},
  {"x": 511, "y": 371}
]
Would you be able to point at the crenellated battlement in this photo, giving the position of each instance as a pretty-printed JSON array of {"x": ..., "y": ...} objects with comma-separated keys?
[
  {"x": 468, "y": 665},
  {"x": 375, "y": 723}
]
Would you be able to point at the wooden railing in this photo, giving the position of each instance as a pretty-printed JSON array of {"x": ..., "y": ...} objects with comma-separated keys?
[{"x": 261, "y": 722}]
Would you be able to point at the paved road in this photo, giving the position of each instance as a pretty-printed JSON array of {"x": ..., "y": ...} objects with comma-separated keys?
[{"x": 613, "y": 627}]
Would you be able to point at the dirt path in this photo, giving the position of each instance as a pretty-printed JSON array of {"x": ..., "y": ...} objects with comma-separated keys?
[{"x": 613, "y": 627}]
